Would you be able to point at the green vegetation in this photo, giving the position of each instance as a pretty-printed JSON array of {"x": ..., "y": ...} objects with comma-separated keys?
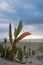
[
  {"x": 10, "y": 54},
  {"x": 16, "y": 36},
  {"x": 29, "y": 51},
  {"x": 14, "y": 49},
  {"x": 5, "y": 41},
  {"x": 24, "y": 49},
  {"x": 4, "y": 50},
  {"x": 1, "y": 48},
  {"x": 18, "y": 29},
  {"x": 3, "y": 53},
  {"x": 33, "y": 52},
  {"x": 20, "y": 54},
  {"x": 40, "y": 49}
]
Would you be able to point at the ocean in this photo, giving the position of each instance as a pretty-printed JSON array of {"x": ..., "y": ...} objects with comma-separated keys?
[
  {"x": 27, "y": 40},
  {"x": 31, "y": 40}
]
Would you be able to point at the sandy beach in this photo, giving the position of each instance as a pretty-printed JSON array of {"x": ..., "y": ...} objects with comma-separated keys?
[
  {"x": 31, "y": 44},
  {"x": 21, "y": 44},
  {"x": 34, "y": 62}
]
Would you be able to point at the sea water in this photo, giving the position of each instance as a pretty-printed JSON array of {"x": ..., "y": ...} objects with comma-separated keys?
[{"x": 32, "y": 40}]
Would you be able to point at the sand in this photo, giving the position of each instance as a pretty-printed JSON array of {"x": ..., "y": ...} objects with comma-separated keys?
[
  {"x": 34, "y": 62},
  {"x": 30, "y": 43}
]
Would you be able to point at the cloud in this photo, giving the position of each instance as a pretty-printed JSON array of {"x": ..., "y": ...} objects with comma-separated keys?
[
  {"x": 7, "y": 7},
  {"x": 39, "y": 5},
  {"x": 4, "y": 20},
  {"x": 30, "y": 11},
  {"x": 4, "y": 30},
  {"x": 35, "y": 29},
  {"x": 3, "y": 25},
  {"x": 28, "y": 5},
  {"x": 8, "y": 20},
  {"x": 3, "y": 35}
]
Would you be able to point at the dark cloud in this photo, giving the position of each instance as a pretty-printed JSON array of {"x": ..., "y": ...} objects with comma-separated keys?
[
  {"x": 26, "y": 14},
  {"x": 2, "y": 30},
  {"x": 29, "y": 11}
]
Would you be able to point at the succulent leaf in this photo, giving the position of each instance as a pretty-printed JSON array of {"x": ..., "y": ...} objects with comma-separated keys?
[
  {"x": 18, "y": 30},
  {"x": 10, "y": 33},
  {"x": 15, "y": 33},
  {"x": 22, "y": 36}
]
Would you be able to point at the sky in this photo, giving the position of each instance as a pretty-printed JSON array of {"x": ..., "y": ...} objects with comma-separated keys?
[{"x": 29, "y": 11}]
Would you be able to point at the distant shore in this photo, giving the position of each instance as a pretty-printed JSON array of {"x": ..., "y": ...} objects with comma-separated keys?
[
  {"x": 27, "y": 44},
  {"x": 31, "y": 44}
]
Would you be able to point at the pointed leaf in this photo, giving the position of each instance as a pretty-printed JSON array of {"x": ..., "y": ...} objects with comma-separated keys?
[
  {"x": 5, "y": 40},
  {"x": 22, "y": 36},
  {"x": 15, "y": 33},
  {"x": 18, "y": 30},
  {"x": 10, "y": 33}
]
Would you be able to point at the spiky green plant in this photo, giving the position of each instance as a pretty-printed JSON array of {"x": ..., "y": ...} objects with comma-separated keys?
[
  {"x": 1, "y": 48},
  {"x": 24, "y": 47},
  {"x": 5, "y": 41},
  {"x": 16, "y": 35},
  {"x": 40, "y": 48},
  {"x": 20, "y": 54},
  {"x": 10, "y": 33},
  {"x": 18, "y": 29}
]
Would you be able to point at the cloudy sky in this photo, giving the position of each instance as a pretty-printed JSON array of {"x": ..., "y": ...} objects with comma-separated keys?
[{"x": 29, "y": 11}]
